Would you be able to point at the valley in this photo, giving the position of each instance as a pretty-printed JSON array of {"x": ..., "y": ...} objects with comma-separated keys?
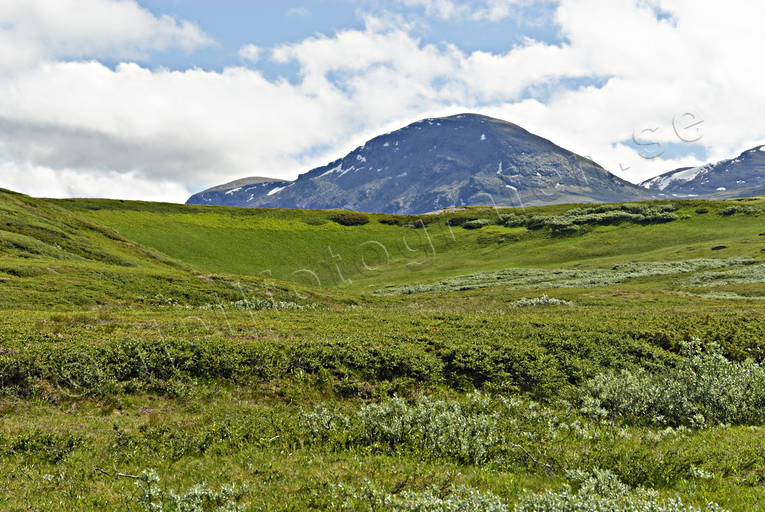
[{"x": 273, "y": 359}]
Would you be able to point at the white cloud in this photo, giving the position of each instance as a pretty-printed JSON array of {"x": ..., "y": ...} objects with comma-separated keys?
[
  {"x": 250, "y": 53},
  {"x": 444, "y": 9},
  {"x": 33, "y": 30},
  {"x": 491, "y": 10},
  {"x": 42, "y": 181},
  {"x": 85, "y": 123}
]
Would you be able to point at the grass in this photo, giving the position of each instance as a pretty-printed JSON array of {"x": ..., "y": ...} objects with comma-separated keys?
[
  {"x": 143, "y": 336},
  {"x": 282, "y": 242}
]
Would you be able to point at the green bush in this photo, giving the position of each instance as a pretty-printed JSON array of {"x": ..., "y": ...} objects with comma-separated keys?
[
  {"x": 419, "y": 222},
  {"x": 459, "y": 220},
  {"x": 350, "y": 218},
  {"x": 199, "y": 498},
  {"x": 52, "y": 448},
  {"x": 544, "y": 300},
  {"x": 704, "y": 388},
  {"x": 514, "y": 221},
  {"x": 603, "y": 491},
  {"x": 371, "y": 497},
  {"x": 574, "y": 221},
  {"x": 746, "y": 210},
  {"x": 475, "y": 224},
  {"x": 258, "y": 304},
  {"x": 397, "y": 220},
  {"x": 597, "y": 492},
  {"x": 536, "y": 222},
  {"x": 467, "y": 433}
]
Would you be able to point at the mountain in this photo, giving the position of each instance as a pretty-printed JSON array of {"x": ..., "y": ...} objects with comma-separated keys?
[
  {"x": 465, "y": 159},
  {"x": 236, "y": 192},
  {"x": 743, "y": 176}
]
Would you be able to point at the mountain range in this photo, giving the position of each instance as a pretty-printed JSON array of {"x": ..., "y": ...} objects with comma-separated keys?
[{"x": 470, "y": 159}]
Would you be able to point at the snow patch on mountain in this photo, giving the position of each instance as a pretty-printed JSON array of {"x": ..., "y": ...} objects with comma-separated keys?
[
  {"x": 662, "y": 182},
  {"x": 338, "y": 167},
  {"x": 346, "y": 171}
]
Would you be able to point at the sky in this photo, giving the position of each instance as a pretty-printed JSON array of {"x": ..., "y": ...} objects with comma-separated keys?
[{"x": 159, "y": 99}]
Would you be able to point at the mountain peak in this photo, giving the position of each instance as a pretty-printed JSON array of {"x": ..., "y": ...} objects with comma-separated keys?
[
  {"x": 468, "y": 117},
  {"x": 741, "y": 176},
  {"x": 436, "y": 163}
]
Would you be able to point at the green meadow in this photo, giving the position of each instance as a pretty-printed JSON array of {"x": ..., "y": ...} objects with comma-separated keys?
[{"x": 574, "y": 357}]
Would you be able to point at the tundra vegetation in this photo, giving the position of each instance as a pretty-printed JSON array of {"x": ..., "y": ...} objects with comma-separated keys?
[{"x": 574, "y": 357}]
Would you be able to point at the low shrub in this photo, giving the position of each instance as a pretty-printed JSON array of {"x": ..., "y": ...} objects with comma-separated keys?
[
  {"x": 544, "y": 300},
  {"x": 573, "y": 221},
  {"x": 46, "y": 446},
  {"x": 704, "y": 388},
  {"x": 458, "y": 220},
  {"x": 199, "y": 498},
  {"x": 419, "y": 222},
  {"x": 592, "y": 492},
  {"x": 475, "y": 224},
  {"x": 371, "y": 497},
  {"x": 588, "y": 278},
  {"x": 536, "y": 222},
  {"x": 466, "y": 432},
  {"x": 514, "y": 221},
  {"x": 350, "y": 218},
  {"x": 601, "y": 491},
  {"x": 393, "y": 220},
  {"x": 751, "y": 273},
  {"x": 746, "y": 210},
  {"x": 258, "y": 304}
]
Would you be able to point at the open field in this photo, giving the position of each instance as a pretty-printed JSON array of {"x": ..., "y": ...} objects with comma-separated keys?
[{"x": 291, "y": 362}]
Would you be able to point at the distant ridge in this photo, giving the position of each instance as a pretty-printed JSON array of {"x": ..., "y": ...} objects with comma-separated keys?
[
  {"x": 254, "y": 180},
  {"x": 743, "y": 176}
]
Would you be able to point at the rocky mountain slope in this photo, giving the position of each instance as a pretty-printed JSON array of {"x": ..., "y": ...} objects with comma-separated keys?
[
  {"x": 743, "y": 176},
  {"x": 240, "y": 192},
  {"x": 460, "y": 160}
]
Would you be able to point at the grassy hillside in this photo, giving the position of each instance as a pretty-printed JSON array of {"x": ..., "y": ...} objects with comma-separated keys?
[
  {"x": 51, "y": 257},
  {"x": 283, "y": 242},
  {"x": 541, "y": 357}
]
